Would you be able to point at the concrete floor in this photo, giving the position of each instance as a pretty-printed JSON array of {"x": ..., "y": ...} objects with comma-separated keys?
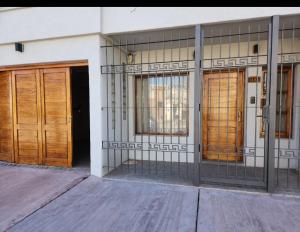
[
  {"x": 183, "y": 173},
  {"x": 97, "y": 204},
  {"x": 229, "y": 211},
  {"x": 25, "y": 189},
  {"x": 117, "y": 206}
]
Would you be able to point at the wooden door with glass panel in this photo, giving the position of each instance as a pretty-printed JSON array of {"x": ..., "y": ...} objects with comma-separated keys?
[{"x": 222, "y": 118}]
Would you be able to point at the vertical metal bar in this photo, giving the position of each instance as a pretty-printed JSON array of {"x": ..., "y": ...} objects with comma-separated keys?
[
  {"x": 187, "y": 109},
  {"x": 266, "y": 106},
  {"x": 237, "y": 104},
  {"x": 179, "y": 107},
  {"x": 135, "y": 108},
  {"x": 280, "y": 105},
  {"x": 219, "y": 96},
  {"x": 164, "y": 102},
  {"x": 197, "y": 93},
  {"x": 292, "y": 75},
  {"x": 142, "y": 105},
  {"x": 271, "y": 100},
  {"x": 149, "y": 109},
  {"x": 120, "y": 102},
  {"x": 156, "y": 117},
  {"x": 227, "y": 103},
  {"x": 127, "y": 109},
  {"x": 114, "y": 101},
  {"x": 107, "y": 108},
  {"x": 171, "y": 100}
]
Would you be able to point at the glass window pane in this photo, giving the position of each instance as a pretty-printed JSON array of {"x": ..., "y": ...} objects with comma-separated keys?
[{"x": 161, "y": 104}]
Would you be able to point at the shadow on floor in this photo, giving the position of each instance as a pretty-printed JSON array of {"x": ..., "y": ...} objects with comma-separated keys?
[{"x": 26, "y": 189}]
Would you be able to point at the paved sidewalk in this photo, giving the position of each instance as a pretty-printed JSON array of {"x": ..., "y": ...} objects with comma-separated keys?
[
  {"x": 117, "y": 206},
  {"x": 26, "y": 189},
  {"x": 97, "y": 204},
  {"x": 229, "y": 211}
]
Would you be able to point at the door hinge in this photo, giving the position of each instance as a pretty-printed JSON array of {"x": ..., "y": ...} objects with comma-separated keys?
[
  {"x": 199, "y": 147},
  {"x": 199, "y": 107}
]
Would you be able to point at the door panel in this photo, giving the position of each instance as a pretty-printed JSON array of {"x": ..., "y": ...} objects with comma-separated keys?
[
  {"x": 223, "y": 101},
  {"x": 27, "y": 116},
  {"x": 6, "y": 118},
  {"x": 56, "y": 114}
]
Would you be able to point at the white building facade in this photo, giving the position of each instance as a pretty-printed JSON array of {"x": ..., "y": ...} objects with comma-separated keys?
[{"x": 162, "y": 83}]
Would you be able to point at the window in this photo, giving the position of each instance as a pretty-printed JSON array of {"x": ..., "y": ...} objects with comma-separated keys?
[
  {"x": 162, "y": 104},
  {"x": 284, "y": 97}
]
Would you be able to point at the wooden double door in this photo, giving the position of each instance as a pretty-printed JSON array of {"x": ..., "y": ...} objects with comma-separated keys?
[
  {"x": 223, "y": 115},
  {"x": 35, "y": 111}
]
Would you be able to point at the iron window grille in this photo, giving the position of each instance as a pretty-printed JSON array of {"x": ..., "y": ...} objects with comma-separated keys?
[{"x": 161, "y": 104}]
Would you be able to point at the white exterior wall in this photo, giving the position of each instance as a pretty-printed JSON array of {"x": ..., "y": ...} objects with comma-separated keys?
[
  {"x": 68, "y": 34},
  {"x": 149, "y": 18},
  {"x": 35, "y": 23}
]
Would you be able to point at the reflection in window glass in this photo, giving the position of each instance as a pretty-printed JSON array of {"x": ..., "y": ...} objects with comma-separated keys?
[{"x": 162, "y": 104}]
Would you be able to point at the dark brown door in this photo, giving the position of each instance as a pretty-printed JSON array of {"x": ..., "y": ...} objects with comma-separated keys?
[
  {"x": 27, "y": 116},
  {"x": 56, "y": 116},
  {"x": 223, "y": 102},
  {"x": 6, "y": 118}
]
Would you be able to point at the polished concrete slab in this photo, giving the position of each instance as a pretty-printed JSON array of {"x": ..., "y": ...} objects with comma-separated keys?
[
  {"x": 111, "y": 205},
  {"x": 25, "y": 189},
  {"x": 228, "y": 211}
]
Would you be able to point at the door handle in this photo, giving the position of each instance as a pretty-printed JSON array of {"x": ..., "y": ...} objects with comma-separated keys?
[{"x": 239, "y": 116}]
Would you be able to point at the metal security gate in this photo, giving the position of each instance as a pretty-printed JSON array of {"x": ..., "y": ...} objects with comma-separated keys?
[
  {"x": 233, "y": 117},
  {"x": 198, "y": 104},
  {"x": 287, "y": 143},
  {"x": 148, "y": 106}
]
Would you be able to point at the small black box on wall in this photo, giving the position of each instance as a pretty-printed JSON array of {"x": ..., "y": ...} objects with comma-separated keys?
[
  {"x": 19, "y": 47},
  {"x": 255, "y": 49}
]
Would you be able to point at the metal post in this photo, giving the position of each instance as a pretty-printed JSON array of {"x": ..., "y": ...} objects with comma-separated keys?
[
  {"x": 271, "y": 102},
  {"x": 197, "y": 94}
]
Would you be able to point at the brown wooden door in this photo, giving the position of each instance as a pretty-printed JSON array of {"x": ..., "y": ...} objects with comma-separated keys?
[
  {"x": 27, "y": 116},
  {"x": 56, "y": 116},
  {"x": 223, "y": 101},
  {"x": 6, "y": 118}
]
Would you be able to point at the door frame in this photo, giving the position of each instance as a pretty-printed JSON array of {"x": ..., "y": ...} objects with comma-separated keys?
[
  {"x": 58, "y": 64},
  {"x": 241, "y": 136}
]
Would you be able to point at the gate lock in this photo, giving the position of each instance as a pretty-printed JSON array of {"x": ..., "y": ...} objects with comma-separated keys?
[{"x": 265, "y": 113}]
